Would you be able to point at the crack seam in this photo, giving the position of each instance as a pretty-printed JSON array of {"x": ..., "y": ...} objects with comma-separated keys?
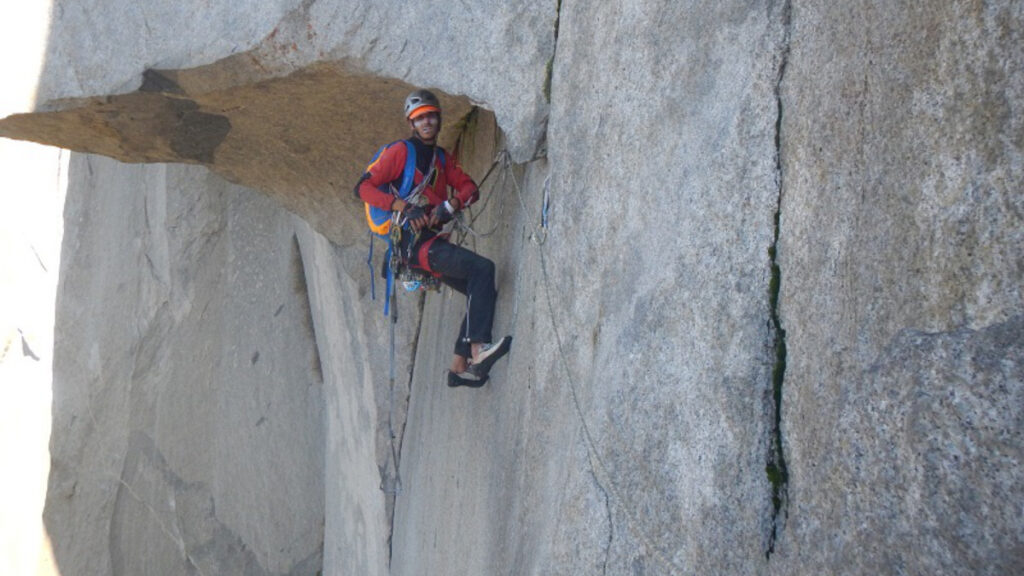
[
  {"x": 177, "y": 540},
  {"x": 550, "y": 68},
  {"x": 611, "y": 525},
  {"x": 399, "y": 439},
  {"x": 775, "y": 468}
]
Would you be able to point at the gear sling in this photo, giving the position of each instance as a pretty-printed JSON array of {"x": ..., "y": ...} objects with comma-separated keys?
[{"x": 387, "y": 224}]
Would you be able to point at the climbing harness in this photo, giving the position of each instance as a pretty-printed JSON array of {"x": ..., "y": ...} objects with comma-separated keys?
[{"x": 391, "y": 224}]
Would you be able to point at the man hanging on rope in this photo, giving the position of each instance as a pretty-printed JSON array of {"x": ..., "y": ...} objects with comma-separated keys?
[{"x": 425, "y": 208}]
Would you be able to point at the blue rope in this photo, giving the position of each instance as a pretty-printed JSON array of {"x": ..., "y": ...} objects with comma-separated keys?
[
  {"x": 390, "y": 281},
  {"x": 369, "y": 264}
]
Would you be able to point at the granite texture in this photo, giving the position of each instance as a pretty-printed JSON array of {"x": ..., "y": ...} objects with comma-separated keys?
[{"x": 762, "y": 262}]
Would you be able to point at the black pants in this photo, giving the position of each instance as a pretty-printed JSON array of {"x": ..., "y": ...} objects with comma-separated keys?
[{"x": 471, "y": 274}]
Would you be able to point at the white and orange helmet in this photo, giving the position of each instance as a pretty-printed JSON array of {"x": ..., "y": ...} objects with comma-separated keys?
[{"x": 420, "y": 102}]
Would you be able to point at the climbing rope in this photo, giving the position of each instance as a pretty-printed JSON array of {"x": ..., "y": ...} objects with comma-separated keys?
[
  {"x": 538, "y": 236},
  {"x": 540, "y": 232},
  {"x": 460, "y": 222},
  {"x": 504, "y": 159},
  {"x": 600, "y": 470},
  {"x": 396, "y": 488}
]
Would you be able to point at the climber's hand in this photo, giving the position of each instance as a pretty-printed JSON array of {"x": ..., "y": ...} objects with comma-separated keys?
[
  {"x": 442, "y": 214},
  {"x": 415, "y": 216}
]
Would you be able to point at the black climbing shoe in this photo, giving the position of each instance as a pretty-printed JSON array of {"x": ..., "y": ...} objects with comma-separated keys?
[
  {"x": 489, "y": 354},
  {"x": 466, "y": 379}
]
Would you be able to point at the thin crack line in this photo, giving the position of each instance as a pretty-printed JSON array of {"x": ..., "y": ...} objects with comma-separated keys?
[
  {"x": 182, "y": 548},
  {"x": 775, "y": 469}
]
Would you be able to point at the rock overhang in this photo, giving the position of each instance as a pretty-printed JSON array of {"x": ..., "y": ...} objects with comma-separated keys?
[
  {"x": 290, "y": 97},
  {"x": 303, "y": 137}
]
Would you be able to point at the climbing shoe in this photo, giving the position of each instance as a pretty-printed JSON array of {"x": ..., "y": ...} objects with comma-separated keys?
[
  {"x": 489, "y": 354},
  {"x": 466, "y": 379}
]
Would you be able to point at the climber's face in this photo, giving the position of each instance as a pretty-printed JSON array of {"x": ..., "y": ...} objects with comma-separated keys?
[{"x": 426, "y": 126}]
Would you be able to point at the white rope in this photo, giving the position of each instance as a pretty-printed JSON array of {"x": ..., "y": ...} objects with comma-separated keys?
[{"x": 600, "y": 470}]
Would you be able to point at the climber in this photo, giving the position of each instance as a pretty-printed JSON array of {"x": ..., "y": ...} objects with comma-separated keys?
[{"x": 422, "y": 209}]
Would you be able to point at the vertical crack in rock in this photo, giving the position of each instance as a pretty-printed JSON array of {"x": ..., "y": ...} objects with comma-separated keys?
[
  {"x": 778, "y": 475},
  {"x": 420, "y": 305},
  {"x": 549, "y": 71},
  {"x": 611, "y": 525},
  {"x": 397, "y": 437},
  {"x": 300, "y": 286},
  {"x": 301, "y": 289}
]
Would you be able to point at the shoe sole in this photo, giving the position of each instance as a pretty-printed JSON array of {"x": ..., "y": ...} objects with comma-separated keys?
[{"x": 455, "y": 381}]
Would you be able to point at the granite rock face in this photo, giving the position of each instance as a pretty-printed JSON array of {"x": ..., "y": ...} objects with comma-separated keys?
[
  {"x": 901, "y": 293},
  {"x": 648, "y": 299},
  {"x": 762, "y": 262},
  {"x": 188, "y": 395}
]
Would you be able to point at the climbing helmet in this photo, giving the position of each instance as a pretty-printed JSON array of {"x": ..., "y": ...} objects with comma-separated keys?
[{"x": 420, "y": 102}]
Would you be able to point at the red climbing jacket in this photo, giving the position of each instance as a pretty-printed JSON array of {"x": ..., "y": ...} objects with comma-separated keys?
[
  {"x": 389, "y": 166},
  {"x": 388, "y": 169}
]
